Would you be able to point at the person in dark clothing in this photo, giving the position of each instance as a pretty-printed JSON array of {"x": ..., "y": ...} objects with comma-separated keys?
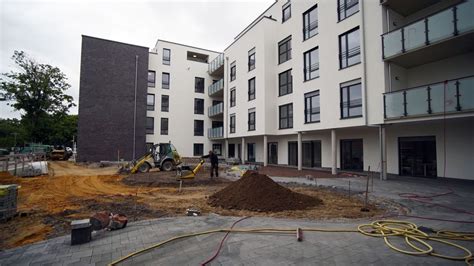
[{"x": 214, "y": 163}]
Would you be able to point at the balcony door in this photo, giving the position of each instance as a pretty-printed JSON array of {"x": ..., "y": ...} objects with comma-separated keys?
[
  {"x": 272, "y": 153},
  {"x": 417, "y": 156},
  {"x": 352, "y": 154}
]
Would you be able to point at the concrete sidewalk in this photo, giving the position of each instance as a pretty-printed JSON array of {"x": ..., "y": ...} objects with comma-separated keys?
[{"x": 264, "y": 249}]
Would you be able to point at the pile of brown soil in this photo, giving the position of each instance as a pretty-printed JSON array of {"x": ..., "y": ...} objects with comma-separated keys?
[{"x": 257, "y": 192}]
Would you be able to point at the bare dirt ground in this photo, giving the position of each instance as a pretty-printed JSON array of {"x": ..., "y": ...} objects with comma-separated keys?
[{"x": 72, "y": 192}]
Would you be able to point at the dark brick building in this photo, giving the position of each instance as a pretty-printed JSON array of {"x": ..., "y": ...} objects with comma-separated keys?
[{"x": 113, "y": 84}]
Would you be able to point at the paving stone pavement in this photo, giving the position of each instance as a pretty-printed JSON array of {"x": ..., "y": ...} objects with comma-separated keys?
[{"x": 318, "y": 248}]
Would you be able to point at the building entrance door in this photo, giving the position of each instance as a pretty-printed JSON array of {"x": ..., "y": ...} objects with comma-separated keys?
[
  {"x": 272, "y": 153},
  {"x": 417, "y": 156},
  {"x": 352, "y": 154}
]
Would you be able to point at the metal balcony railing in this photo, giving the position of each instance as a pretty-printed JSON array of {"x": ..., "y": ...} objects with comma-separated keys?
[
  {"x": 216, "y": 63},
  {"x": 444, "y": 97},
  {"x": 216, "y": 109},
  {"x": 215, "y": 132},
  {"x": 216, "y": 87},
  {"x": 447, "y": 23}
]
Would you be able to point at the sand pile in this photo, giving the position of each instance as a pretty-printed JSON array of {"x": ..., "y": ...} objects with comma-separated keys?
[{"x": 256, "y": 192}]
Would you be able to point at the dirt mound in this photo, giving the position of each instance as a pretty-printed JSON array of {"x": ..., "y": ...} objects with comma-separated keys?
[{"x": 256, "y": 192}]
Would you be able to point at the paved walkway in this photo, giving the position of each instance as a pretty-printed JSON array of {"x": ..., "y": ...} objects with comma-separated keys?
[{"x": 268, "y": 249}]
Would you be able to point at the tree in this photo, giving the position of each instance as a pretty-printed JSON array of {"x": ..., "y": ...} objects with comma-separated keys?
[
  {"x": 39, "y": 91},
  {"x": 12, "y": 133}
]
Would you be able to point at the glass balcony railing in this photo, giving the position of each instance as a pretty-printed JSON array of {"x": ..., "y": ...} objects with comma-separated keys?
[
  {"x": 216, "y": 87},
  {"x": 447, "y": 23},
  {"x": 445, "y": 97},
  {"x": 216, "y": 109},
  {"x": 215, "y": 132},
  {"x": 216, "y": 63}
]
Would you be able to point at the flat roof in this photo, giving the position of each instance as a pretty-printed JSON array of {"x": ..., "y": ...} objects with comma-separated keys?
[
  {"x": 190, "y": 46},
  {"x": 102, "y": 39}
]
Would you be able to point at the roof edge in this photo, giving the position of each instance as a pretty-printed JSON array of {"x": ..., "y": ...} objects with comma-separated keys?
[{"x": 107, "y": 40}]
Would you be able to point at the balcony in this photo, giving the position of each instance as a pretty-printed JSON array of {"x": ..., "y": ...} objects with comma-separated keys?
[
  {"x": 215, "y": 133},
  {"x": 440, "y": 35},
  {"x": 453, "y": 96},
  {"x": 216, "y": 110},
  {"x": 216, "y": 66},
  {"x": 216, "y": 89}
]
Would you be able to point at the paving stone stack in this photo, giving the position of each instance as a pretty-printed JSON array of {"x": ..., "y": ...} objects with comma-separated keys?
[{"x": 8, "y": 201}]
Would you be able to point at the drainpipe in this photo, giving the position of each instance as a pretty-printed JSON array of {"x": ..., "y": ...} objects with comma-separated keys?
[
  {"x": 135, "y": 108},
  {"x": 361, "y": 4}
]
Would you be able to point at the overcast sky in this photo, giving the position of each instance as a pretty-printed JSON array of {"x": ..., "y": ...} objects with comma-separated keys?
[{"x": 50, "y": 31}]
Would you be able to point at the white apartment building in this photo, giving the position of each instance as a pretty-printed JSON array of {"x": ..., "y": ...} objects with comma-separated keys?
[{"x": 336, "y": 84}]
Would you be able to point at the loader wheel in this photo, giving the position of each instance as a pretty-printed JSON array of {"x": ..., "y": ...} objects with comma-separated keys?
[
  {"x": 167, "y": 166},
  {"x": 144, "y": 168}
]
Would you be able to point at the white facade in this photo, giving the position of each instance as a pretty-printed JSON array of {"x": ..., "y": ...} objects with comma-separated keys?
[{"x": 428, "y": 131}]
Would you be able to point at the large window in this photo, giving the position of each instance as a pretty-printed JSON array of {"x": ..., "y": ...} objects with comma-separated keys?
[
  {"x": 310, "y": 22},
  {"x": 233, "y": 71},
  {"x": 198, "y": 149},
  {"x": 349, "y": 48},
  {"x": 150, "y": 125},
  {"x": 251, "y": 121},
  {"x": 285, "y": 83},
  {"x": 351, "y": 99},
  {"x": 311, "y": 64},
  {"x": 232, "y": 97},
  {"x": 292, "y": 153},
  {"x": 166, "y": 56},
  {"x": 347, "y": 8},
  {"x": 165, "y": 103},
  {"x": 252, "y": 59},
  {"x": 251, "y": 152},
  {"x": 251, "y": 89},
  {"x": 198, "y": 106},
  {"x": 286, "y": 12},
  {"x": 311, "y": 153},
  {"x": 286, "y": 116},
  {"x": 284, "y": 50},
  {"x": 151, "y": 78},
  {"x": 217, "y": 148},
  {"x": 199, "y": 85},
  {"x": 311, "y": 107},
  {"x": 232, "y": 123},
  {"x": 164, "y": 126},
  {"x": 198, "y": 127},
  {"x": 150, "y": 102},
  {"x": 165, "y": 80}
]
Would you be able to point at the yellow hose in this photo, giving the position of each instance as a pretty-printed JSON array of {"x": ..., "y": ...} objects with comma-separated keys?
[{"x": 381, "y": 228}]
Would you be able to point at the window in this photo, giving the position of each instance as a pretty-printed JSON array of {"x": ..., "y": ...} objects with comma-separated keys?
[
  {"x": 199, "y": 106},
  {"x": 199, "y": 85},
  {"x": 198, "y": 149},
  {"x": 198, "y": 127},
  {"x": 233, "y": 71},
  {"x": 251, "y": 121},
  {"x": 349, "y": 48},
  {"x": 251, "y": 89},
  {"x": 251, "y": 152},
  {"x": 292, "y": 153},
  {"x": 151, "y": 78},
  {"x": 231, "y": 150},
  {"x": 351, "y": 100},
  {"x": 311, "y": 64},
  {"x": 150, "y": 125},
  {"x": 347, "y": 8},
  {"x": 232, "y": 123},
  {"x": 252, "y": 59},
  {"x": 232, "y": 97},
  {"x": 286, "y": 12},
  {"x": 217, "y": 148},
  {"x": 166, "y": 56},
  {"x": 150, "y": 102},
  {"x": 311, "y": 107},
  {"x": 284, "y": 50},
  {"x": 165, "y": 80},
  {"x": 164, "y": 126},
  {"x": 310, "y": 22},
  {"x": 286, "y": 116},
  {"x": 165, "y": 103},
  {"x": 149, "y": 146},
  {"x": 285, "y": 83}
]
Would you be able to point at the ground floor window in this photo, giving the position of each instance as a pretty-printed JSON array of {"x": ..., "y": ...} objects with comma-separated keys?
[
  {"x": 217, "y": 148},
  {"x": 149, "y": 147},
  {"x": 251, "y": 152},
  {"x": 198, "y": 149},
  {"x": 312, "y": 153},
  {"x": 231, "y": 150},
  {"x": 293, "y": 153},
  {"x": 417, "y": 156},
  {"x": 273, "y": 152},
  {"x": 352, "y": 154}
]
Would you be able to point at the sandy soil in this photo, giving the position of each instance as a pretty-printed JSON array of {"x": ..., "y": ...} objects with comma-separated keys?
[{"x": 72, "y": 192}]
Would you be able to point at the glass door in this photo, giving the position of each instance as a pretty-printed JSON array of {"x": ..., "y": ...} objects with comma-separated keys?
[
  {"x": 272, "y": 153},
  {"x": 352, "y": 154}
]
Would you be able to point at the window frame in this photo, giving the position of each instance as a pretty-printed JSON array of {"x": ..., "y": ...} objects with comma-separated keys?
[
  {"x": 232, "y": 123},
  {"x": 288, "y": 84},
  {"x": 151, "y": 84},
  {"x": 252, "y": 122},
  {"x": 162, "y": 130},
  {"x": 233, "y": 71},
  {"x": 310, "y": 95},
  {"x": 345, "y": 56},
  {"x": 201, "y": 147},
  {"x": 233, "y": 95},
  {"x": 287, "y": 52},
  {"x": 307, "y": 56},
  {"x": 164, "y": 85},
  {"x": 196, "y": 110},
  {"x": 252, "y": 93},
  {"x": 251, "y": 64},
  {"x": 349, "y": 106},
  {"x": 198, "y": 132},
  {"x": 166, "y": 61},
  {"x": 286, "y": 6},
  {"x": 165, "y": 108},
  {"x": 345, "y": 8},
  {"x": 152, "y": 106},
  {"x": 307, "y": 28},
  {"x": 150, "y": 130},
  {"x": 196, "y": 87},
  {"x": 214, "y": 145},
  {"x": 288, "y": 117}
]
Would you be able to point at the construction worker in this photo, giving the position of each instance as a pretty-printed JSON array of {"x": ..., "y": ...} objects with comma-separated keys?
[{"x": 214, "y": 163}]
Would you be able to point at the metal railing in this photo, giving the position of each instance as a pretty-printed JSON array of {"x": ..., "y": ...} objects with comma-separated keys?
[
  {"x": 216, "y": 63},
  {"x": 216, "y": 109},
  {"x": 442, "y": 25},
  {"x": 215, "y": 132},
  {"x": 216, "y": 87},
  {"x": 444, "y": 97}
]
